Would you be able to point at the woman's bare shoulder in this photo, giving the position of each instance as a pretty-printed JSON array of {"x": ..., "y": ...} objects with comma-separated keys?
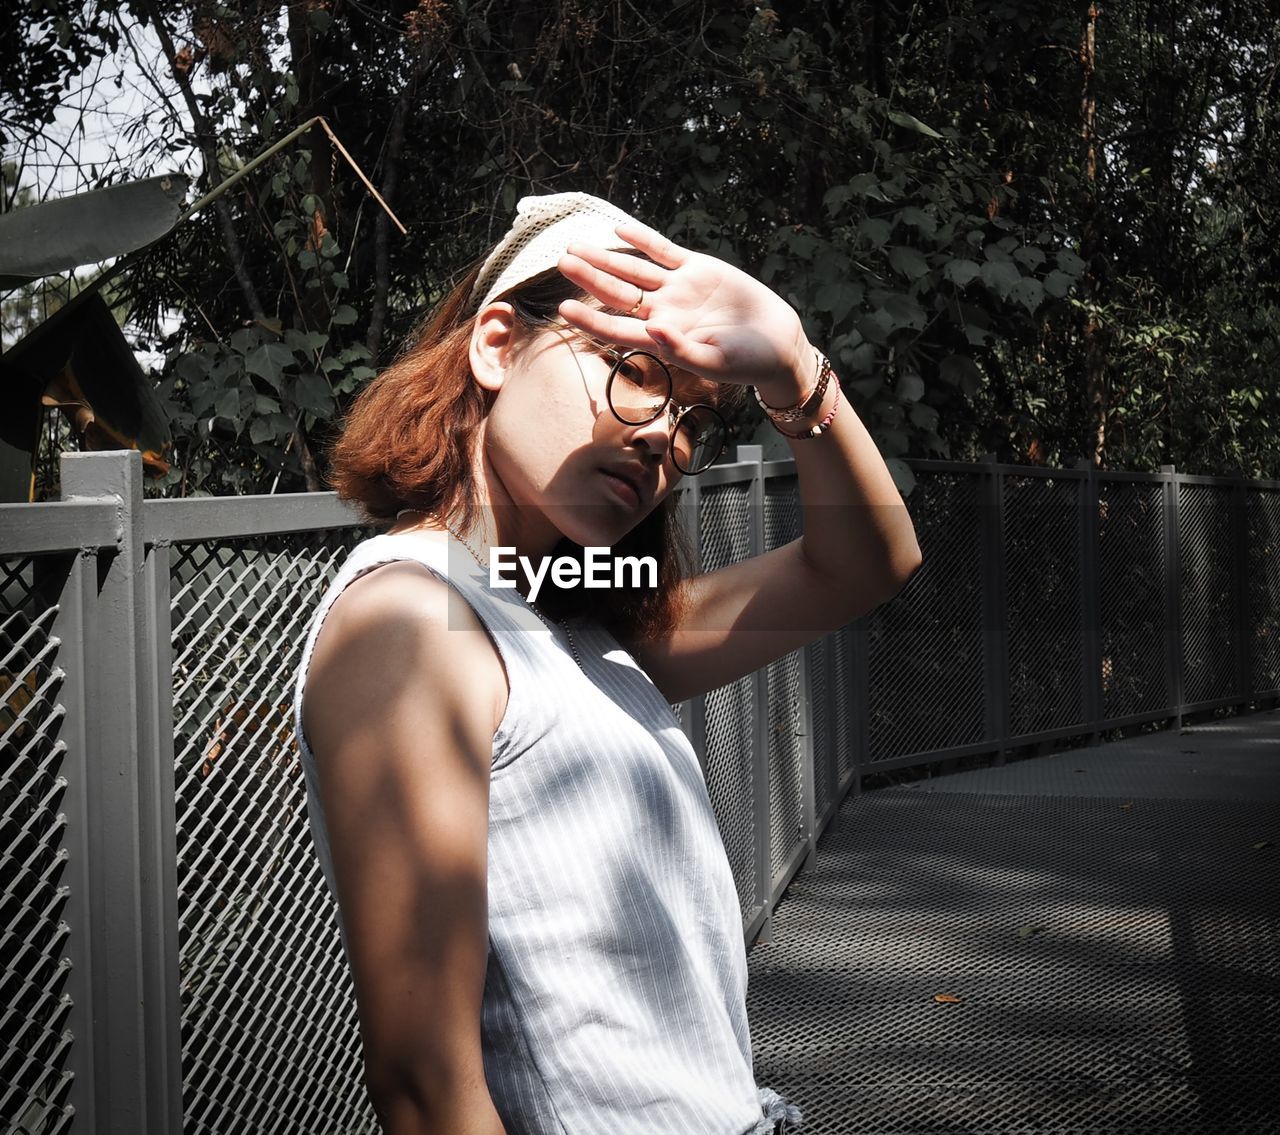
[{"x": 393, "y": 631}]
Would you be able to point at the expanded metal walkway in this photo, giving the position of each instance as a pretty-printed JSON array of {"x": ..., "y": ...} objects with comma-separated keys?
[{"x": 1083, "y": 942}]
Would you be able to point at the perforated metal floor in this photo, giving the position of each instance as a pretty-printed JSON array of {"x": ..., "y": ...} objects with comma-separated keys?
[{"x": 1112, "y": 938}]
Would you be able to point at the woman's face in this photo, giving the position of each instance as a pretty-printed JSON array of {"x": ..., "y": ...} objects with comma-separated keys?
[{"x": 560, "y": 454}]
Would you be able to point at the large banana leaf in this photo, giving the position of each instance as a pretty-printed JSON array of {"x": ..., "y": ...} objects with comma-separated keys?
[
  {"x": 88, "y": 227},
  {"x": 78, "y": 360}
]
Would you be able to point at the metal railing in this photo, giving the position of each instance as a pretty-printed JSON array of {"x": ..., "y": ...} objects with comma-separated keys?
[{"x": 169, "y": 955}]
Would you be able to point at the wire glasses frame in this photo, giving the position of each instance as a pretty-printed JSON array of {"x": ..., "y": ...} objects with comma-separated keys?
[{"x": 639, "y": 391}]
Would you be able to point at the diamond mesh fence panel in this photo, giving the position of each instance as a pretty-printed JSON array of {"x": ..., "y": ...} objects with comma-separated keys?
[
  {"x": 1043, "y": 603},
  {"x": 1131, "y": 573},
  {"x": 1262, "y": 517},
  {"x": 786, "y": 803},
  {"x": 725, "y": 525},
  {"x": 269, "y": 1031},
  {"x": 1208, "y": 628},
  {"x": 930, "y": 637},
  {"x": 35, "y": 1043}
]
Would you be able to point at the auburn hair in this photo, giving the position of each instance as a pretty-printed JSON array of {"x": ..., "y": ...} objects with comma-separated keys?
[{"x": 409, "y": 438}]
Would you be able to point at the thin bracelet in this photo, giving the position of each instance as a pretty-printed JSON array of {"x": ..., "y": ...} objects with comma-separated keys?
[
  {"x": 800, "y": 410},
  {"x": 821, "y": 427}
]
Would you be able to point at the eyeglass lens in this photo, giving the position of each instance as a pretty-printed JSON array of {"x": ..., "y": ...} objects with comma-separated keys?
[{"x": 640, "y": 389}]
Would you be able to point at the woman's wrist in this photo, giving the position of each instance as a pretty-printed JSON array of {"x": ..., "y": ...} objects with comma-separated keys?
[
  {"x": 814, "y": 415},
  {"x": 795, "y": 381}
]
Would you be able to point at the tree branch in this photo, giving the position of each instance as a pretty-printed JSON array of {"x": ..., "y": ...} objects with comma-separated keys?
[{"x": 204, "y": 139}]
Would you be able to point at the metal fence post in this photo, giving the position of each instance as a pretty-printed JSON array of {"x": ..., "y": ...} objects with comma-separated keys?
[
  {"x": 760, "y": 697},
  {"x": 128, "y": 803},
  {"x": 1091, "y": 599},
  {"x": 860, "y": 696},
  {"x": 693, "y": 713},
  {"x": 1173, "y": 590},
  {"x": 995, "y": 637},
  {"x": 1240, "y": 590},
  {"x": 808, "y": 763}
]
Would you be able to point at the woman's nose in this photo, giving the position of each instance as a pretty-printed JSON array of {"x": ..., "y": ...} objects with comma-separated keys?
[{"x": 655, "y": 436}]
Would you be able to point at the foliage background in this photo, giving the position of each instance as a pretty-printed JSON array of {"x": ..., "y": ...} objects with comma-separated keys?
[{"x": 1045, "y": 231}]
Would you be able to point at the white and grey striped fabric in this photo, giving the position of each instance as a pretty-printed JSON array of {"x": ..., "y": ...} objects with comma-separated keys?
[{"x": 615, "y": 994}]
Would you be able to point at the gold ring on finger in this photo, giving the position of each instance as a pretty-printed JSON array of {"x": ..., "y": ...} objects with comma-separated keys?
[{"x": 635, "y": 307}]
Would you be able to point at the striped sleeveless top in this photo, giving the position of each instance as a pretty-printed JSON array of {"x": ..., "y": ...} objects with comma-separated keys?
[{"x": 615, "y": 990}]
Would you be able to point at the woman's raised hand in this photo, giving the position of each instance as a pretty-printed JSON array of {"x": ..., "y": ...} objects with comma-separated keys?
[{"x": 697, "y": 312}]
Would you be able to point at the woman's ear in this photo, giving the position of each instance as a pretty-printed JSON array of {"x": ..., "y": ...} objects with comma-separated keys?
[{"x": 492, "y": 340}]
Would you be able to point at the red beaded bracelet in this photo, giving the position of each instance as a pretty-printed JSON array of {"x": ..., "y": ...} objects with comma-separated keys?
[{"x": 821, "y": 427}]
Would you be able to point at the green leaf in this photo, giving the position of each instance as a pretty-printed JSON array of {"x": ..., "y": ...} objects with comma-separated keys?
[
  {"x": 836, "y": 198},
  {"x": 903, "y": 310},
  {"x": 875, "y": 326},
  {"x": 260, "y": 431},
  {"x": 344, "y": 313},
  {"x": 861, "y": 360},
  {"x": 268, "y": 362},
  {"x": 902, "y": 475},
  {"x": 910, "y": 122},
  {"x": 192, "y": 367},
  {"x": 868, "y": 185},
  {"x": 1070, "y": 263},
  {"x": 83, "y": 228},
  {"x": 923, "y": 416},
  {"x": 1058, "y": 284},
  {"x": 918, "y": 219},
  {"x": 908, "y": 261},
  {"x": 910, "y": 388},
  {"x": 245, "y": 339},
  {"x": 1000, "y": 276},
  {"x": 305, "y": 340},
  {"x": 1028, "y": 292},
  {"x": 962, "y": 273},
  {"x": 312, "y": 393},
  {"x": 875, "y": 230},
  {"x": 838, "y": 297},
  {"x": 227, "y": 404},
  {"x": 961, "y": 371},
  {"x": 1029, "y": 256}
]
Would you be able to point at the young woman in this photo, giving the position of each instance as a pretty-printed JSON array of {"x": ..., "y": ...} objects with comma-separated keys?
[{"x": 540, "y": 919}]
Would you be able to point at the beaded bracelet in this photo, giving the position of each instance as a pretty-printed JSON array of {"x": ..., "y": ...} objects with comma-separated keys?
[
  {"x": 821, "y": 427},
  {"x": 800, "y": 410}
]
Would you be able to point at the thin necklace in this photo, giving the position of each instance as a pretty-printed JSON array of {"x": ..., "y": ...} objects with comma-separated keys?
[{"x": 484, "y": 566}]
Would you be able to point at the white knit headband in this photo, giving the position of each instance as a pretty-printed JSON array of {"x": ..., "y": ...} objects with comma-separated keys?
[{"x": 544, "y": 227}]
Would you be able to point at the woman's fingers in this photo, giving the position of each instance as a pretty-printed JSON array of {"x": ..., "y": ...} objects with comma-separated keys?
[
  {"x": 623, "y": 331},
  {"x": 621, "y": 292},
  {"x": 653, "y": 244},
  {"x": 634, "y": 269}
]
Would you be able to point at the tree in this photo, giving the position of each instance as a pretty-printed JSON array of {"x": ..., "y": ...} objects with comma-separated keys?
[{"x": 1007, "y": 243}]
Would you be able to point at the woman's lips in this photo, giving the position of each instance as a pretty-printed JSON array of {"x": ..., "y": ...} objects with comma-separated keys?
[{"x": 622, "y": 488}]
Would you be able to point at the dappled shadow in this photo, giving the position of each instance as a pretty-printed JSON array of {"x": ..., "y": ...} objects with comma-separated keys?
[{"x": 1116, "y": 961}]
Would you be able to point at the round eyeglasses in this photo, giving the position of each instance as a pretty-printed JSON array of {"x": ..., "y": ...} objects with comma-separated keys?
[{"x": 639, "y": 391}]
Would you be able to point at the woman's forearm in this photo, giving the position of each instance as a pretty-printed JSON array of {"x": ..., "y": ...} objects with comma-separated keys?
[{"x": 855, "y": 522}]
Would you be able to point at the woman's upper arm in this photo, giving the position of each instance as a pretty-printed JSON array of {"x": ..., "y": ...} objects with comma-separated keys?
[
  {"x": 743, "y": 616},
  {"x": 402, "y": 698}
]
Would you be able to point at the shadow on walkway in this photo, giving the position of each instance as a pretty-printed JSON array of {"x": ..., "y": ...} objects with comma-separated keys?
[{"x": 1108, "y": 918}]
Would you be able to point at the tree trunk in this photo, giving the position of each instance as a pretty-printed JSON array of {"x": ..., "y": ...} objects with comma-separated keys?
[
  {"x": 208, "y": 152},
  {"x": 1092, "y": 333},
  {"x": 382, "y": 226}
]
